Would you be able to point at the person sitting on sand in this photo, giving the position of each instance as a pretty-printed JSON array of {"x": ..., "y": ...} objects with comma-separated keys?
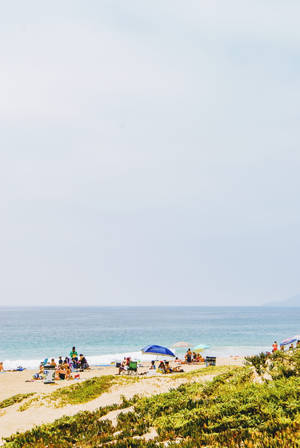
[
  {"x": 124, "y": 365},
  {"x": 291, "y": 347},
  {"x": 41, "y": 368},
  {"x": 35, "y": 377},
  {"x": 199, "y": 358},
  {"x": 68, "y": 372},
  {"x": 67, "y": 361},
  {"x": 53, "y": 363},
  {"x": 60, "y": 373},
  {"x": 161, "y": 368},
  {"x": 83, "y": 364},
  {"x": 194, "y": 357},
  {"x": 152, "y": 367},
  {"x": 168, "y": 368},
  {"x": 274, "y": 347},
  {"x": 177, "y": 369}
]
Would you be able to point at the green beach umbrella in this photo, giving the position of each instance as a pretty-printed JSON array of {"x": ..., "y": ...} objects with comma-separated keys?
[{"x": 200, "y": 348}]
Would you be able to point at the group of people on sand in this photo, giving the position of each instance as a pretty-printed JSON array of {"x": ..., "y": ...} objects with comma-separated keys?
[
  {"x": 291, "y": 347},
  {"x": 163, "y": 367},
  {"x": 64, "y": 368},
  {"x": 191, "y": 357}
]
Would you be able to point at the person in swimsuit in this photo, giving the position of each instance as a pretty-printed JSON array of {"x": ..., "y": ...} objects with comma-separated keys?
[
  {"x": 188, "y": 356},
  {"x": 161, "y": 368}
]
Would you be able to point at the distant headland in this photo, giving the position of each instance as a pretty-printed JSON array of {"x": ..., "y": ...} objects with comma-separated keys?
[{"x": 291, "y": 302}]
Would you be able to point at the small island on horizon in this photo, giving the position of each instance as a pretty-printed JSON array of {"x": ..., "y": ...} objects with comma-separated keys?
[{"x": 290, "y": 302}]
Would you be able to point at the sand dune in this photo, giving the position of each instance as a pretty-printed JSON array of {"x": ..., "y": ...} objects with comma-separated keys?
[{"x": 12, "y": 383}]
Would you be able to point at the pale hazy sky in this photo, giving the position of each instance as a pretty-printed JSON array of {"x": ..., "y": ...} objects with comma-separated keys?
[{"x": 149, "y": 152}]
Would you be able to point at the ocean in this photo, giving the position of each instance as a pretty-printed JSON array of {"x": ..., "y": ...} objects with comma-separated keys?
[{"x": 106, "y": 334}]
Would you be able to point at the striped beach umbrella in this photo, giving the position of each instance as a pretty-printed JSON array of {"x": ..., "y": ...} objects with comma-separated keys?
[
  {"x": 290, "y": 340},
  {"x": 181, "y": 344}
]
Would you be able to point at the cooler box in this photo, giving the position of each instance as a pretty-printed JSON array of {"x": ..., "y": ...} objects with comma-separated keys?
[
  {"x": 210, "y": 361},
  {"x": 49, "y": 372}
]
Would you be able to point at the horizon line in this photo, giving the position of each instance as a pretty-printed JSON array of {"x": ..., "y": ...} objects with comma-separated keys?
[{"x": 147, "y": 306}]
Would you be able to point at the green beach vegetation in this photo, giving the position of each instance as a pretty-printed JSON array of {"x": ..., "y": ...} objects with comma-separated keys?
[
  {"x": 29, "y": 403},
  {"x": 79, "y": 393},
  {"x": 279, "y": 364},
  {"x": 82, "y": 392},
  {"x": 14, "y": 399},
  {"x": 234, "y": 410},
  {"x": 93, "y": 388},
  {"x": 212, "y": 370}
]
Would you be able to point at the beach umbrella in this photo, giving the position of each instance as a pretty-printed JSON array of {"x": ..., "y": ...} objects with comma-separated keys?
[
  {"x": 181, "y": 344},
  {"x": 200, "y": 348},
  {"x": 157, "y": 350},
  {"x": 291, "y": 340}
]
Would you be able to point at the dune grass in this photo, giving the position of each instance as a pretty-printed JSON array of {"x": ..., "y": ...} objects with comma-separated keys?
[
  {"x": 212, "y": 370},
  {"x": 28, "y": 403},
  {"x": 14, "y": 399},
  {"x": 82, "y": 392}
]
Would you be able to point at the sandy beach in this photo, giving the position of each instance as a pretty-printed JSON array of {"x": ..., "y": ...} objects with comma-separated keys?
[{"x": 13, "y": 420}]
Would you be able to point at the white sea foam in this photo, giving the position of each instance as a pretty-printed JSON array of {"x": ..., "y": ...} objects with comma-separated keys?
[{"x": 107, "y": 359}]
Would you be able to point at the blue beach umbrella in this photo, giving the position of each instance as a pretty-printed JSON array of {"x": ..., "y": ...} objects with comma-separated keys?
[
  {"x": 291, "y": 340},
  {"x": 157, "y": 350}
]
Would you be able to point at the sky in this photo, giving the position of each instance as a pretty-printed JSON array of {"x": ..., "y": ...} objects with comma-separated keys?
[{"x": 149, "y": 152}]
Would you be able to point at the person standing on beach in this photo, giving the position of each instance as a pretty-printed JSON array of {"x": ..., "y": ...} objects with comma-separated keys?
[
  {"x": 188, "y": 356},
  {"x": 74, "y": 354},
  {"x": 274, "y": 347}
]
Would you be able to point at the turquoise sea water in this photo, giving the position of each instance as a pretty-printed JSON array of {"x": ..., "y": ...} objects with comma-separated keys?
[{"x": 28, "y": 335}]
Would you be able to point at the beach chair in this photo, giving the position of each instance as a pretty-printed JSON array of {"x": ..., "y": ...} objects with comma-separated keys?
[
  {"x": 210, "y": 361},
  {"x": 132, "y": 368}
]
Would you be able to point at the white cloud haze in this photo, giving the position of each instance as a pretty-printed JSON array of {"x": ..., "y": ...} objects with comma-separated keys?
[{"x": 149, "y": 152}]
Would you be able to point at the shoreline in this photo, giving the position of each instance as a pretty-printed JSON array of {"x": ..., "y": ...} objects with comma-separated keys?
[{"x": 110, "y": 358}]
